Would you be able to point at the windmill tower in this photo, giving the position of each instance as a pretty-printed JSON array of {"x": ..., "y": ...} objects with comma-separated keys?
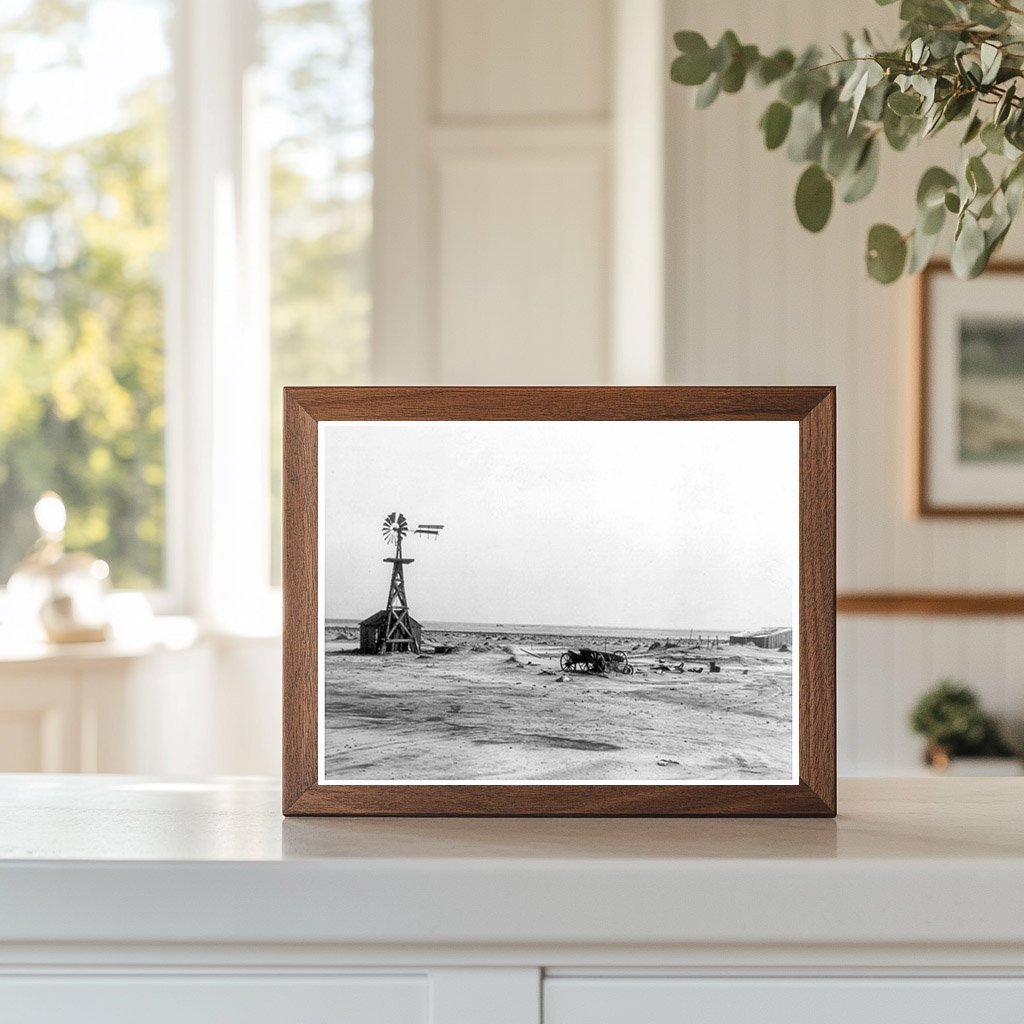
[
  {"x": 393, "y": 628},
  {"x": 398, "y": 632}
]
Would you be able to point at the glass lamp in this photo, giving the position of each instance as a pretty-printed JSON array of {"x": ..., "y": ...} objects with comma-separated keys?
[{"x": 55, "y": 595}]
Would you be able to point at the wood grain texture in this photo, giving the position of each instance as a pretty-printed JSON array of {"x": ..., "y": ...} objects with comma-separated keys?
[
  {"x": 299, "y": 597},
  {"x": 924, "y": 505},
  {"x": 925, "y": 603},
  {"x": 813, "y": 408}
]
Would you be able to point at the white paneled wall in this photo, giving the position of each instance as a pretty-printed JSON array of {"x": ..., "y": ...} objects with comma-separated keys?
[
  {"x": 522, "y": 255},
  {"x": 754, "y": 299},
  {"x": 499, "y": 152}
]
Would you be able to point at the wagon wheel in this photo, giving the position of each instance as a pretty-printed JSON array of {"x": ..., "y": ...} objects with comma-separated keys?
[
  {"x": 619, "y": 659},
  {"x": 599, "y": 663},
  {"x": 629, "y": 670},
  {"x": 566, "y": 662}
]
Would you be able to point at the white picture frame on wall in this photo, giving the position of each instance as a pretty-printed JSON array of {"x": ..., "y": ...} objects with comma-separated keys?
[{"x": 970, "y": 450}]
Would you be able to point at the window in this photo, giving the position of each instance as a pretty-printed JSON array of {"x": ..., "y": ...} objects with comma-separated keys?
[
  {"x": 83, "y": 235},
  {"x": 144, "y": 182}
]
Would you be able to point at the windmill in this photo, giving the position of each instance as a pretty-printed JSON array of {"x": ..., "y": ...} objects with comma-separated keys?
[
  {"x": 398, "y": 629},
  {"x": 393, "y": 628}
]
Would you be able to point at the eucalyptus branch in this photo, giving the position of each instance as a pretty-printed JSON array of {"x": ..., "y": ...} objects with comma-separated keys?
[{"x": 954, "y": 60}]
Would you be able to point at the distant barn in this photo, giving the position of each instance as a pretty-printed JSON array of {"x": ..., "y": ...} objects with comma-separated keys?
[
  {"x": 770, "y": 639},
  {"x": 371, "y": 634}
]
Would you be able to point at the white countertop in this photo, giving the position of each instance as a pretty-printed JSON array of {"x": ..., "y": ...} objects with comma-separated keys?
[{"x": 123, "y": 859}]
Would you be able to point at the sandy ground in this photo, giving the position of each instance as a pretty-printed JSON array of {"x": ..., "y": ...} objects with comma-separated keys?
[{"x": 500, "y": 707}]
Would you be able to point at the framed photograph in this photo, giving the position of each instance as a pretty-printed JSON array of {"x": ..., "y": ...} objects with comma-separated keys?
[
  {"x": 970, "y": 451},
  {"x": 559, "y": 601}
]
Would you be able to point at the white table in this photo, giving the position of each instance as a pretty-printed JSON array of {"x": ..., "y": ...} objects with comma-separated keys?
[{"x": 125, "y": 898}]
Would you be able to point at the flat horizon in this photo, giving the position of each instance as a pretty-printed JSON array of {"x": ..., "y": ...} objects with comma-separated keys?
[{"x": 565, "y": 627}]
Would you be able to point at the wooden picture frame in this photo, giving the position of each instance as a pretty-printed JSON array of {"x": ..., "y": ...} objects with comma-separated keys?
[
  {"x": 811, "y": 792},
  {"x": 941, "y": 489}
]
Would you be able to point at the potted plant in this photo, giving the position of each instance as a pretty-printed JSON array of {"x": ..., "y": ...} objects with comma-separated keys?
[
  {"x": 956, "y": 62},
  {"x": 950, "y": 718}
]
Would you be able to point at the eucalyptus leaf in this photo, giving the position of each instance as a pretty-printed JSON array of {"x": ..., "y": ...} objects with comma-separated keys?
[
  {"x": 814, "y": 195},
  {"x": 875, "y": 98},
  {"x": 840, "y": 152},
  {"x": 794, "y": 88},
  {"x": 931, "y": 190},
  {"x": 958, "y": 105},
  {"x": 900, "y": 130},
  {"x": 932, "y": 221},
  {"x": 922, "y": 247},
  {"x": 886, "y": 253},
  {"x": 978, "y": 176},
  {"x": 973, "y": 130},
  {"x": 904, "y": 103},
  {"x": 1013, "y": 187},
  {"x": 968, "y": 247},
  {"x": 987, "y": 15},
  {"x": 865, "y": 173},
  {"x": 805, "y": 133},
  {"x": 735, "y": 74},
  {"x": 724, "y": 51},
  {"x": 991, "y": 60},
  {"x": 771, "y": 69},
  {"x": 691, "y": 69},
  {"x": 707, "y": 93},
  {"x": 993, "y": 138},
  {"x": 1005, "y": 105},
  {"x": 775, "y": 124}
]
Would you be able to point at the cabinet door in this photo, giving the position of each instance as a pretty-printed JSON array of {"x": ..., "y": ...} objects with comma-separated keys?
[
  {"x": 783, "y": 1000},
  {"x": 202, "y": 999}
]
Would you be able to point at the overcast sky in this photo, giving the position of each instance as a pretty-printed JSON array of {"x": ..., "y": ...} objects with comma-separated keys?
[{"x": 636, "y": 524}]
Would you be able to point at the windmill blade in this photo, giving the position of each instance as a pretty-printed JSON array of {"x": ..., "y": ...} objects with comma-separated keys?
[{"x": 395, "y": 527}]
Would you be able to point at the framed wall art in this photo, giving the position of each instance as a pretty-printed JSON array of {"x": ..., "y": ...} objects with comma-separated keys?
[
  {"x": 970, "y": 445},
  {"x": 559, "y": 601}
]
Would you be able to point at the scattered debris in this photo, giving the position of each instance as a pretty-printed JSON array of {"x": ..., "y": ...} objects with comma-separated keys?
[
  {"x": 714, "y": 667},
  {"x": 665, "y": 761}
]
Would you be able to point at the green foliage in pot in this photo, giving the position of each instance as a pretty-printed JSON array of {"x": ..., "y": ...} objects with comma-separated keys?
[
  {"x": 957, "y": 62},
  {"x": 949, "y": 716}
]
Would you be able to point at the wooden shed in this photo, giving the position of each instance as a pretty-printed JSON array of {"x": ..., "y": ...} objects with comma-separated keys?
[
  {"x": 769, "y": 638},
  {"x": 371, "y": 634}
]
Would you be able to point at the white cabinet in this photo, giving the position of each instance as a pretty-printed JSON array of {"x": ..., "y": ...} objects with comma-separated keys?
[
  {"x": 624, "y": 1000},
  {"x": 216, "y": 1000},
  {"x": 130, "y": 899}
]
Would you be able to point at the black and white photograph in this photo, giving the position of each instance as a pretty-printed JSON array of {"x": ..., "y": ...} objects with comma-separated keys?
[{"x": 560, "y": 602}]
